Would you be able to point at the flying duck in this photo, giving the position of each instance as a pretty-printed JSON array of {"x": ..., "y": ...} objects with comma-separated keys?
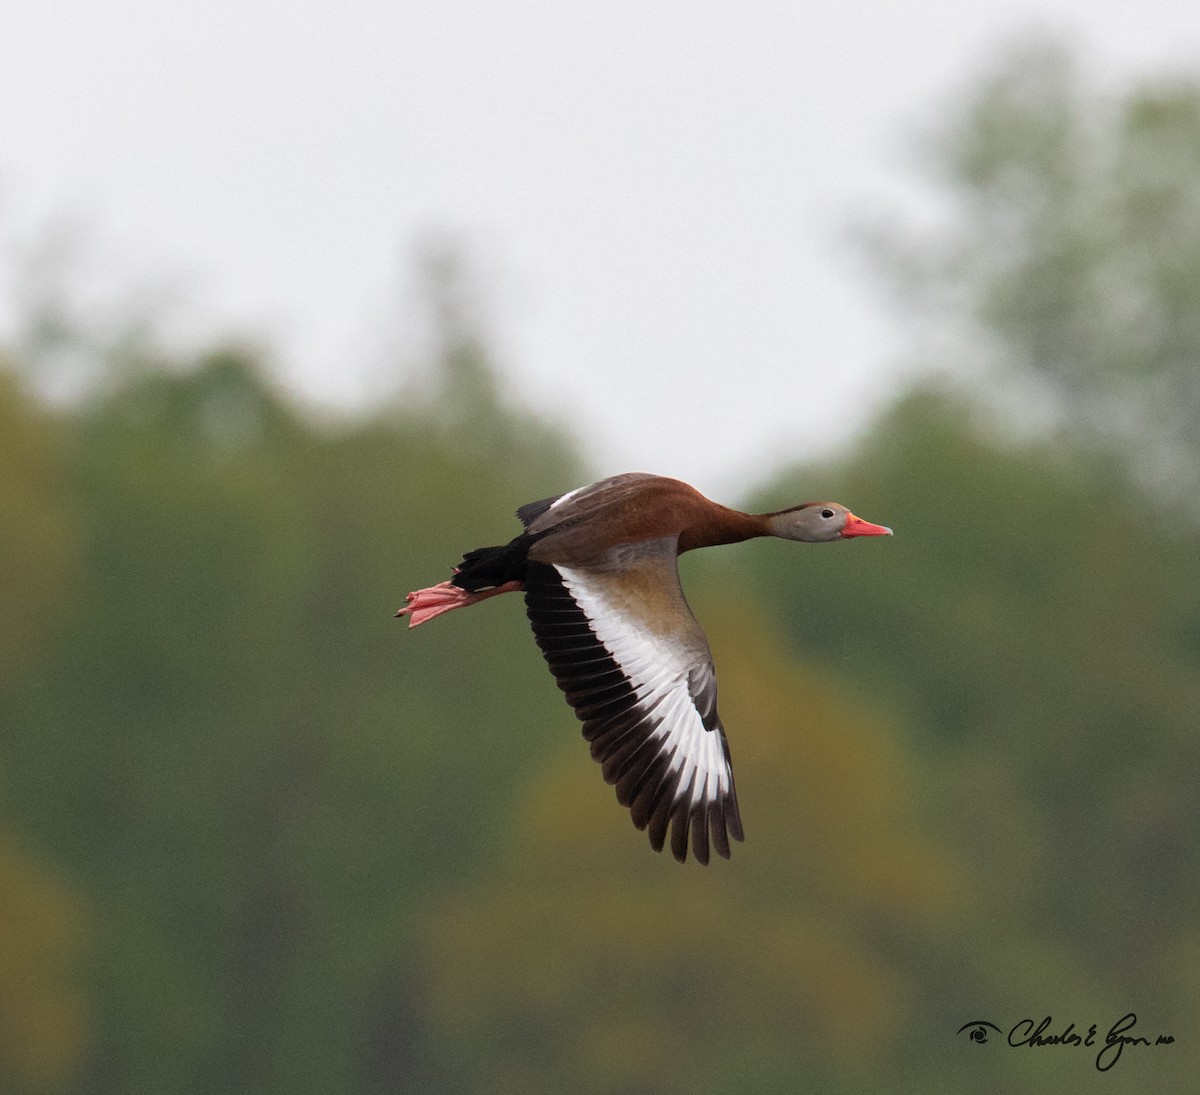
[{"x": 597, "y": 566}]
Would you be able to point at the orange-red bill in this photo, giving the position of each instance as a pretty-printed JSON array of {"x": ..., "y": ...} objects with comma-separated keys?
[{"x": 856, "y": 526}]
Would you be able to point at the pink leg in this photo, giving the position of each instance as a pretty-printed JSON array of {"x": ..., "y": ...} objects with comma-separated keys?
[{"x": 425, "y": 604}]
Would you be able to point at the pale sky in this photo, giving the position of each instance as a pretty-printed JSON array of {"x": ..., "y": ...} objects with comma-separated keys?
[{"x": 654, "y": 192}]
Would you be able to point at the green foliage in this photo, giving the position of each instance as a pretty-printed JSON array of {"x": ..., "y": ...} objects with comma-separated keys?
[
  {"x": 318, "y": 853},
  {"x": 1034, "y": 628},
  {"x": 253, "y": 771}
]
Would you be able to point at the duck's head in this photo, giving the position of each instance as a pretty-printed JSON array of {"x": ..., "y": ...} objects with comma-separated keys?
[{"x": 816, "y": 522}]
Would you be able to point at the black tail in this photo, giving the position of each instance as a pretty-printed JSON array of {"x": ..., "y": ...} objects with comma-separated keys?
[{"x": 493, "y": 566}]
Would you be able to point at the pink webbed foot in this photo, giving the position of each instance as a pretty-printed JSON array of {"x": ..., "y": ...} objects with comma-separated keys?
[{"x": 425, "y": 604}]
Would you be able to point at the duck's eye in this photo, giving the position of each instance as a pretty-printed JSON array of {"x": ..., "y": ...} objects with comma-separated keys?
[{"x": 827, "y": 513}]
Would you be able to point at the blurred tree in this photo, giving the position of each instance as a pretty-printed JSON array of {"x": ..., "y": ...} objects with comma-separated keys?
[
  {"x": 1035, "y": 622},
  {"x": 1070, "y": 261},
  {"x": 1047, "y": 628},
  {"x": 258, "y": 777},
  {"x": 459, "y": 390},
  {"x": 1034, "y": 629}
]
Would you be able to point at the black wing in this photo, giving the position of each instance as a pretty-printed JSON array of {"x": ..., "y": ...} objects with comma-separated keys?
[{"x": 648, "y": 708}]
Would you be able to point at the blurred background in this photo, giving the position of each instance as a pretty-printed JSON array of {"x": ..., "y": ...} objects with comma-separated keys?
[{"x": 300, "y": 304}]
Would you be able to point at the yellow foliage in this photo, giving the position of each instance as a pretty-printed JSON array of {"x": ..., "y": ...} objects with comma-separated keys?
[
  {"x": 826, "y": 783},
  {"x": 42, "y": 1013},
  {"x": 617, "y": 962}
]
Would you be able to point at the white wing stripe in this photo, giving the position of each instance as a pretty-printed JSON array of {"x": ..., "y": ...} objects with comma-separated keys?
[
  {"x": 647, "y": 701},
  {"x": 659, "y": 676}
]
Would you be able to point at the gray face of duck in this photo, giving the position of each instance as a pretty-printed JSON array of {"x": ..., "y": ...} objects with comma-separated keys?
[{"x": 816, "y": 522}]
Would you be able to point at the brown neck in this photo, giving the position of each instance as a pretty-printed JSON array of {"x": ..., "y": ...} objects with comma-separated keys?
[{"x": 722, "y": 525}]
